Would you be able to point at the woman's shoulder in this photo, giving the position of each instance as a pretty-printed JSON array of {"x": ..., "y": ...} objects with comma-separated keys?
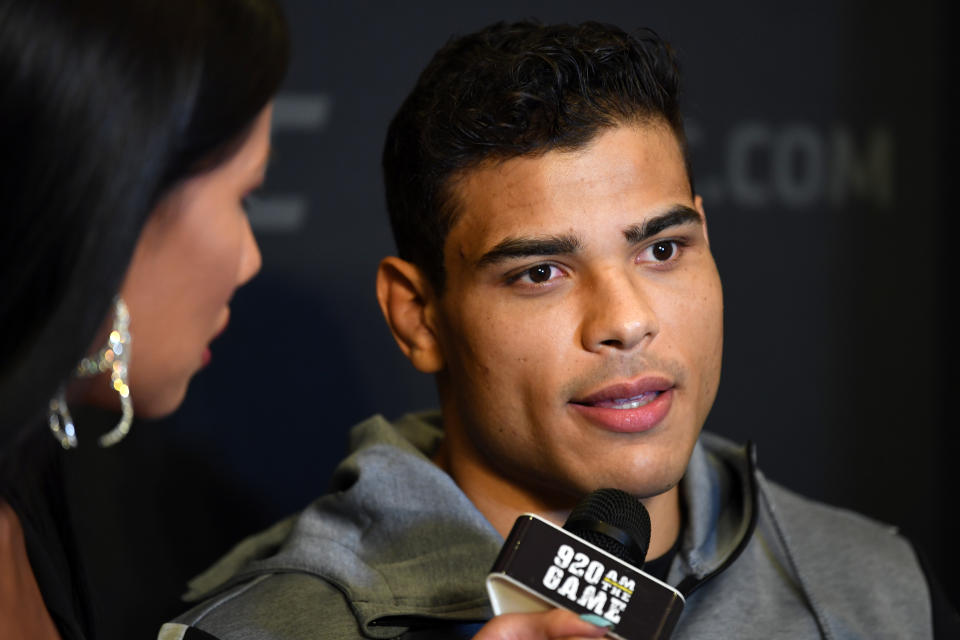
[{"x": 22, "y": 609}]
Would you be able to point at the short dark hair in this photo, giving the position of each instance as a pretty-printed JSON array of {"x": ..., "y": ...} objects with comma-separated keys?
[
  {"x": 512, "y": 90},
  {"x": 105, "y": 105}
]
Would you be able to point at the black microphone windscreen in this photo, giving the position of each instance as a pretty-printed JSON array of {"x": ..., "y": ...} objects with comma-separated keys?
[{"x": 614, "y": 521}]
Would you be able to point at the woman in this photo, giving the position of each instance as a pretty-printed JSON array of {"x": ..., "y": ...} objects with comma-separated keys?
[{"x": 130, "y": 132}]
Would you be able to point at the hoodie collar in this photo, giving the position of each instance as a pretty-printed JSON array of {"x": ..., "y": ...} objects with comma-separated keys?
[
  {"x": 401, "y": 540},
  {"x": 719, "y": 491}
]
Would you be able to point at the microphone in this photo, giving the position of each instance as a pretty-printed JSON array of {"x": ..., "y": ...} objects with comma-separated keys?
[
  {"x": 615, "y": 521},
  {"x": 592, "y": 565}
]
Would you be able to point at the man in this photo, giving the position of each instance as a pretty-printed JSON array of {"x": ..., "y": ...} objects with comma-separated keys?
[{"x": 555, "y": 275}]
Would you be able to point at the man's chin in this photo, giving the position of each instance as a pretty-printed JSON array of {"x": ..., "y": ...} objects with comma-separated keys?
[
  {"x": 644, "y": 471},
  {"x": 564, "y": 490}
]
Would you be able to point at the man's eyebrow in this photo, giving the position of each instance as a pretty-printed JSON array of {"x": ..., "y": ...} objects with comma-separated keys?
[
  {"x": 525, "y": 247},
  {"x": 676, "y": 216}
]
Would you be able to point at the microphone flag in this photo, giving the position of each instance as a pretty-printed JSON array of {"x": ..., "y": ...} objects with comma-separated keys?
[{"x": 542, "y": 566}]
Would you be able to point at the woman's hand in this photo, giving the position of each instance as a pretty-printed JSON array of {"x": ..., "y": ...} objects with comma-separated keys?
[{"x": 548, "y": 625}]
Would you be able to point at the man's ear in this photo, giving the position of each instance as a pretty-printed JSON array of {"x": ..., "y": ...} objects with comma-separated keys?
[
  {"x": 698, "y": 205},
  {"x": 408, "y": 302}
]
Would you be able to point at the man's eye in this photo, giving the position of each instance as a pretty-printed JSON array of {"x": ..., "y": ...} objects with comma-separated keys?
[
  {"x": 661, "y": 251},
  {"x": 537, "y": 274}
]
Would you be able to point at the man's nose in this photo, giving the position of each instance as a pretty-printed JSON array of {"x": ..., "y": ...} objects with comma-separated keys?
[{"x": 618, "y": 314}]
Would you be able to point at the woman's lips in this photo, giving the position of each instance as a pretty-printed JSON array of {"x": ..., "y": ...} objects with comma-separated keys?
[
  {"x": 628, "y": 407},
  {"x": 207, "y": 354},
  {"x": 223, "y": 325}
]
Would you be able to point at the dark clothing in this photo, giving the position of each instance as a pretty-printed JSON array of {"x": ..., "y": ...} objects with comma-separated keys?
[{"x": 31, "y": 481}]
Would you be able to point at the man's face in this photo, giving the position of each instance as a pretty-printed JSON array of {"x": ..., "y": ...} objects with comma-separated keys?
[{"x": 581, "y": 323}]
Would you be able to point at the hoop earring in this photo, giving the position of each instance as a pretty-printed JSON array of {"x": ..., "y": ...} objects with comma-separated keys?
[{"x": 113, "y": 357}]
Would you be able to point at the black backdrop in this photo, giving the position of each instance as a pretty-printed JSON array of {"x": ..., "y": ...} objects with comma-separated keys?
[{"x": 819, "y": 134}]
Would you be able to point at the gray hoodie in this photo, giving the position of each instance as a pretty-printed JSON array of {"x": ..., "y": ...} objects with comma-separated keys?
[{"x": 397, "y": 550}]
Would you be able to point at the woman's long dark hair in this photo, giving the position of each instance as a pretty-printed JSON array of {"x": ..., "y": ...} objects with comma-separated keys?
[{"x": 104, "y": 106}]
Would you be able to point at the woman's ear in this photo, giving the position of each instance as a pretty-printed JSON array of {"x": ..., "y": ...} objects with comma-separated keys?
[{"x": 407, "y": 300}]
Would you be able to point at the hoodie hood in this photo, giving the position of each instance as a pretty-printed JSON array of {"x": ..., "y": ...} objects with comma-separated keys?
[
  {"x": 393, "y": 526},
  {"x": 399, "y": 539},
  {"x": 408, "y": 551}
]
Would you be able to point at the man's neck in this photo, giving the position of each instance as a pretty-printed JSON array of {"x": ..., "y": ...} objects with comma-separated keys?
[{"x": 502, "y": 501}]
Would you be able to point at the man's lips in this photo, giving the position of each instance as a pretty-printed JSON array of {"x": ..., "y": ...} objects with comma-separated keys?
[
  {"x": 625, "y": 390},
  {"x": 628, "y": 407}
]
